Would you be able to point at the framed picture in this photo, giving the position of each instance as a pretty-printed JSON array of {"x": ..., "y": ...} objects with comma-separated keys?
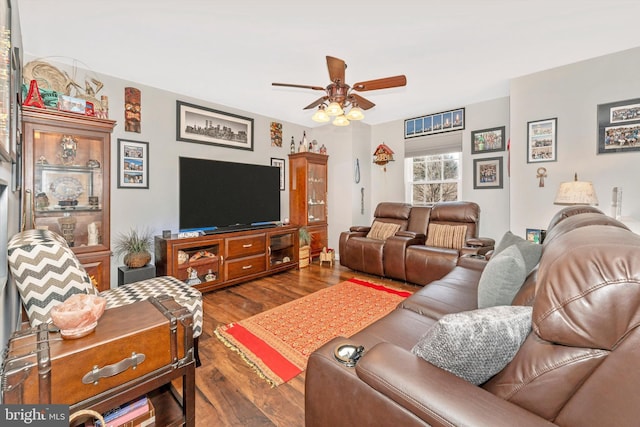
[
  {"x": 487, "y": 173},
  {"x": 487, "y": 140},
  {"x": 534, "y": 235},
  {"x": 279, "y": 163},
  {"x": 207, "y": 126},
  {"x": 542, "y": 140},
  {"x": 446, "y": 121},
  {"x": 6, "y": 99},
  {"x": 133, "y": 164},
  {"x": 619, "y": 126}
]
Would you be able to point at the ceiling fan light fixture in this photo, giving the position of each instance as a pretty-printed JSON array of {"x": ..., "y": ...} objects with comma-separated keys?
[
  {"x": 334, "y": 109},
  {"x": 355, "y": 113},
  {"x": 320, "y": 116},
  {"x": 340, "y": 120}
]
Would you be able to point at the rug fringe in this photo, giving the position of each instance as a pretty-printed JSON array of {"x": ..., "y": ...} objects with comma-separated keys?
[{"x": 251, "y": 364}]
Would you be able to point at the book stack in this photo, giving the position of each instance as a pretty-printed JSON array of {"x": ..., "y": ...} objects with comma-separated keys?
[{"x": 136, "y": 413}]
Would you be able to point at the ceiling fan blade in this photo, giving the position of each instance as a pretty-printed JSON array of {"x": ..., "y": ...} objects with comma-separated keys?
[
  {"x": 363, "y": 103},
  {"x": 315, "y": 103},
  {"x": 300, "y": 86},
  {"x": 336, "y": 68},
  {"x": 384, "y": 83}
]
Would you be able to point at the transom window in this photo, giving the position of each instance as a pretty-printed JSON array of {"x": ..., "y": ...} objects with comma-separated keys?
[{"x": 431, "y": 179}]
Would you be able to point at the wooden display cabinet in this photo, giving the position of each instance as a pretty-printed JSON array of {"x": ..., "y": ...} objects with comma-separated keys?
[
  {"x": 66, "y": 184},
  {"x": 308, "y": 196}
]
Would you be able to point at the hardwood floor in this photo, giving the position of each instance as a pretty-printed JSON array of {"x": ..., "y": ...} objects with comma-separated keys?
[{"x": 228, "y": 391}]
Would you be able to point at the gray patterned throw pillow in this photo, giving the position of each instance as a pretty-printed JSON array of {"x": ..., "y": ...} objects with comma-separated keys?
[{"x": 475, "y": 345}]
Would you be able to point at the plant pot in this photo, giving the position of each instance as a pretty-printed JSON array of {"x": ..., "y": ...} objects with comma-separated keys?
[
  {"x": 137, "y": 259},
  {"x": 304, "y": 254}
]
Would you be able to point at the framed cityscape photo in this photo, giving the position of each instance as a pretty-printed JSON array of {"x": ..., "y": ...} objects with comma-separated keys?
[
  {"x": 487, "y": 140},
  {"x": 542, "y": 139},
  {"x": 208, "y": 126},
  {"x": 133, "y": 164}
]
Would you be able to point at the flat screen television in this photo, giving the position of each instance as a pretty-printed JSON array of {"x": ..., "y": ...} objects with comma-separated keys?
[{"x": 217, "y": 196}]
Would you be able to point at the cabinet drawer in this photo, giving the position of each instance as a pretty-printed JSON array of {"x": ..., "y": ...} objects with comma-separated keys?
[
  {"x": 245, "y": 266},
  {"x": 246, "y": 245}
]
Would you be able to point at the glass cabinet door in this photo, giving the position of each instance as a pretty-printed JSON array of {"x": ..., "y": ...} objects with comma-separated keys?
[
  {"x": 317, "y": 192},
  {"x": 68, "y": 175},
  {"x": 282, "y": 248}
]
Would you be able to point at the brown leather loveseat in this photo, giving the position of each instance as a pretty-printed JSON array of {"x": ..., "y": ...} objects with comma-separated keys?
[
  {"x": 416, "y": 244},
  {"x": 577, "y": 363}
]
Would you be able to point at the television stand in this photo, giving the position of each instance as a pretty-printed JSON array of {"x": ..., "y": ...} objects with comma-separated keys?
[{"x": 225, "y": 257}]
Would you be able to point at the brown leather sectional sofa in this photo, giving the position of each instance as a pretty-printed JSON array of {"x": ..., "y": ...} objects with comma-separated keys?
[
  {"x": 408, "y": 254},
  {"x": 578, "y": 365}
]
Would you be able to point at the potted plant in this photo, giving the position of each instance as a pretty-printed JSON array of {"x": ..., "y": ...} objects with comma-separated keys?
[
  {"x": 135, "y": 246},
  {"x": 304, "y": 254}
]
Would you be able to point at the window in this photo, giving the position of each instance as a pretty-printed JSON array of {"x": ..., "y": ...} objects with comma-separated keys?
[{"x": 434, "y": 178}]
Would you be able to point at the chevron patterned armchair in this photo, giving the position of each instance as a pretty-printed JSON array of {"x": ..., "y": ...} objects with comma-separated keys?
[{"x": 47, "y": 272}]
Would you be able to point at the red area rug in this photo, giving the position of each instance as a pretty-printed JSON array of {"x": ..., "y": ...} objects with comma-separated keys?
[{"x": 278, "y": 342}]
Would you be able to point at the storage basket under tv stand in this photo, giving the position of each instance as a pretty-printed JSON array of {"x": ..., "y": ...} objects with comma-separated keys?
[{"x": 233, "y": 257}]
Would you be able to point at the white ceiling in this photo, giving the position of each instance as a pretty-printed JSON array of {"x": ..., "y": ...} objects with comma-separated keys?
[{"x": 453, "y": 52}]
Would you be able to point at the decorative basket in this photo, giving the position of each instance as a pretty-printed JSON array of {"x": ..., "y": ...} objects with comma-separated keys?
[{"x": 137, "y": 259}]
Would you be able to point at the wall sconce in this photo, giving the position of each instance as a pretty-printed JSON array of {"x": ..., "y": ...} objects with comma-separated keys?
[{"x": 576, "y": 193}]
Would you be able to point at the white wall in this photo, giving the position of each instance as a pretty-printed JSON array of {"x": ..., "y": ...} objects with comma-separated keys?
[
  {"x": 494, "y": 203},
  {"x": 572, "y": 94}
]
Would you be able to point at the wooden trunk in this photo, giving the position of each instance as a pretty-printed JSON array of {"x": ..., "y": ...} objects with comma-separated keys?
[{"x": 141, "y": 339}]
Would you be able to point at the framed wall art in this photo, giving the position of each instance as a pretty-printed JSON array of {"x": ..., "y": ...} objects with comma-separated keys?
[
  {"x": 5, "y": 81},
  {"x": 487, "y": 173},
  {"x": 446, "y": 121},
  {"x": 133, "y": 164},
  {"x": 487, "y": 140},
  {"x": 208, "y": 126},
  {"x": 542, "y": 139},
  {"x": 279, "y": 163},
  {"x": 619, "y": 126}
]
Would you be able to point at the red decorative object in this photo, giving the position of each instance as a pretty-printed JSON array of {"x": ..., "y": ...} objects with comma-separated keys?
[{"x": 33, "y": 98}]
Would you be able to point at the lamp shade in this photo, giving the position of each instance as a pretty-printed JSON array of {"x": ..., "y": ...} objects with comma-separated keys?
[
  {"x": 355, "y": 113},
  {"x": 576, "y": 193},
  {"x": 334, "y": 109},
  {"x": 321, "y": 116},
  {"x": 341, "y": 121}
]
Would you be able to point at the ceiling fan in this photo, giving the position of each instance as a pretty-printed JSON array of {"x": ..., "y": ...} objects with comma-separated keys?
[{"x": 339, "y": 95}]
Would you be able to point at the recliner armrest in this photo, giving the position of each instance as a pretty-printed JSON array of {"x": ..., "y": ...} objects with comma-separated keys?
[
  {"x": 360, "y": 228},
  {"x": 480, "y": 242},
  {"x": 411, "y": 235},
  {"x": 434, "y": 395}
]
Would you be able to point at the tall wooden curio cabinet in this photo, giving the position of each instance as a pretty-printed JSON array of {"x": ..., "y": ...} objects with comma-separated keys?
[
  {"x": 308, "y": 196},
  {"x": 66, "y": 183}
]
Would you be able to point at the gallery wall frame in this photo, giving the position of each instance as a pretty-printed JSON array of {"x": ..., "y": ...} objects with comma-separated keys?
[
  {"x": 487, "y": 140},
  {"x": 6, "y": 101},
  {"x": 542, "y": 140},
  {"x": 619, "y": 126},
  {"x": 133, "y": 164},
  {"x": 204, "y": 125},
  {"x": 431, "y": 124},
  {"x": 281, "y": 164},
  {"x": 487, "y": 173}
]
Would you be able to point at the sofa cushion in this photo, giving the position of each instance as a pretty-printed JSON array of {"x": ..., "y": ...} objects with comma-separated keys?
[
  {"x": 475, "y": 345},
  {"x": 507, "y": 240},
  {"x": 506, "y": 271},
  {"x": 382, "y": 230},
  {"x": 46, "y": 272},
  {"x": 446, "y": 236}
]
